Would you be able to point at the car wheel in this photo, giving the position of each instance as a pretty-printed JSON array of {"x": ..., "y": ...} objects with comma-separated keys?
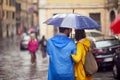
[
  {"x": 115, "y": 73},
  {"x": 21, "y": 48}
]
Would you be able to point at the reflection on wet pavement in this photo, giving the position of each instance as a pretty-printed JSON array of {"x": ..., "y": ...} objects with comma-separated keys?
[{"x": 15, "y": 64}]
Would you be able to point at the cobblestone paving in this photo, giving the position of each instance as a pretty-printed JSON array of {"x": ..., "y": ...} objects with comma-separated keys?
[{"x": 15, "y": 64}]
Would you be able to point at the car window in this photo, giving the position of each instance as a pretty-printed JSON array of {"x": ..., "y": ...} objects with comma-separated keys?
[
  {"x": 26, "y": 37},
  {"x": 88, "y": 34},
  {"x": 106, "y": 43},
  {"x": 94, "y": 34}
]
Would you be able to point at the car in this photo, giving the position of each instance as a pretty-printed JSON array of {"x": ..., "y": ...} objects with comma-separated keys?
[
  {"x": 116, "y": 64},
  {"x": 103, "y": 51},
  {"x": 94, "y": 33},
  {"x": 91, "y": 34},
  {"x": 24, "y": 41}
]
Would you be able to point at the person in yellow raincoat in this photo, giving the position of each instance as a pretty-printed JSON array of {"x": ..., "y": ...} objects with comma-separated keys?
[{"x": 79, "y": 57}]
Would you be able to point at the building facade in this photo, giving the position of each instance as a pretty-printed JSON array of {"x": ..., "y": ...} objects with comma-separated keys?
[
  {"x": 8, "y": 18},
  {"x": 112, "y": 12},
  {"x": 102, "y": 11},
  {"x": 27, "y": 13},
  {"x": 1, "y": 2}
]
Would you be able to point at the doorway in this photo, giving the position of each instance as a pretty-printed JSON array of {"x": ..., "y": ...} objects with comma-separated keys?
[
  {"x": 112, "y": 16},
  {"x": 7, "y": 30}
]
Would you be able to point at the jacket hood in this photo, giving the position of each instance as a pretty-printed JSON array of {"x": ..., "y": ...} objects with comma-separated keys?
[
  {"x": 86, "y": 43},
  {"x": 60, "y": 40}
]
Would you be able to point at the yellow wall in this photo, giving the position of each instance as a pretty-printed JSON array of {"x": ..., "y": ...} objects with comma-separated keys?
[
  {"x": 74, "y": 1},
  {"x": 80, "y": 11},
  {"x": 84, "y": 7},
  {"x": 6, "y": 7},
  {"x": 10, "y": 22}
]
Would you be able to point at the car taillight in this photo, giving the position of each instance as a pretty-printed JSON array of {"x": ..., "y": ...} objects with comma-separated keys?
[
  {"x": 99, "y": 60},
  {"x": 97, "y": 51}
]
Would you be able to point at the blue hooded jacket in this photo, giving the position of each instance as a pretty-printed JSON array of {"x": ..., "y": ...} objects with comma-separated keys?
[{"x": 61, "y": 66}]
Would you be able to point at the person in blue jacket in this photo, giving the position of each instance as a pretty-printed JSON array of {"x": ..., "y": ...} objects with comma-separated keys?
[{"x": 59, "y": 48}]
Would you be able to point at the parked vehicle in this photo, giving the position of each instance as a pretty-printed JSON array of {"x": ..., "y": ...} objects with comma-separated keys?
[
  {"x": 91, "y": 34},
  {"x": 116, "y": 64},
  {"x": 103, "y": 50},
  {"x": 94, "y": 33},
  {"x": 24, "y": 41}
]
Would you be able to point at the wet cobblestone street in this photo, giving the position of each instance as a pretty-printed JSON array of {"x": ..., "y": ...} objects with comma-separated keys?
[{"x": 15, "y": 64}]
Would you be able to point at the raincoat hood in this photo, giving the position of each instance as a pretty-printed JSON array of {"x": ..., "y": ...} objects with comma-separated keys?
[
  {"x": 59, "y": 49},
  {"x": 85, "y": 42},
  {"x": 60, "y": 40}
]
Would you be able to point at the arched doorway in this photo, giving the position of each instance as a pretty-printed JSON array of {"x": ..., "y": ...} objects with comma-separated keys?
[
  {"x": 118, "y": 10},
  {"x": 112, "y": 16},
  {"x": 7, "y": 31},
  {"x": 0, "y": 29}
]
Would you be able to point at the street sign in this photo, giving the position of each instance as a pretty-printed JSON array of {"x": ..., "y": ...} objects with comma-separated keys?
[{"x": 31, "y": 10}]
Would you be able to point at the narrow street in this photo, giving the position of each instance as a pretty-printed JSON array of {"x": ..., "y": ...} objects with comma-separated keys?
[{"x": 15, "y": 64}]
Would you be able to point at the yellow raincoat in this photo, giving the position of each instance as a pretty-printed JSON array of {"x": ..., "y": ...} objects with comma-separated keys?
[{"x": 79, "y": 59}]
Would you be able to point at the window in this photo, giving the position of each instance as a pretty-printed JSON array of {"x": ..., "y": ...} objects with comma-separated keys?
[
  {"x": 7, "y": 2},
  {"x": 94, "y": 34},
  {"x": 96, "y": 17},
  {"x": 112, "y": 16},
  {"x": 3, "y": 14},
  {"x": 1, "y": 1},
  {"x": 0, "y": 15},
  {"x": 12, "y": 2},
  {"x": 107, "y": 43},
  {"x": 7, "y": 14},
  {"x": 13, "y": 15},
  {"x": 18, "y": 7}
]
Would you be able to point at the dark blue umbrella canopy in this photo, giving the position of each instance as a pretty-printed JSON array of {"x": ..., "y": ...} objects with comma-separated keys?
[{"x": 72, "y": 20}]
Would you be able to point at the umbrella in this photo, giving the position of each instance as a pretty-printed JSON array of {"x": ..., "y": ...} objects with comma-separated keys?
[
  {"x": 115, "y": 26},
  {"x": 31, "y": 30},
  {"x": 72, "y": 20}
]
